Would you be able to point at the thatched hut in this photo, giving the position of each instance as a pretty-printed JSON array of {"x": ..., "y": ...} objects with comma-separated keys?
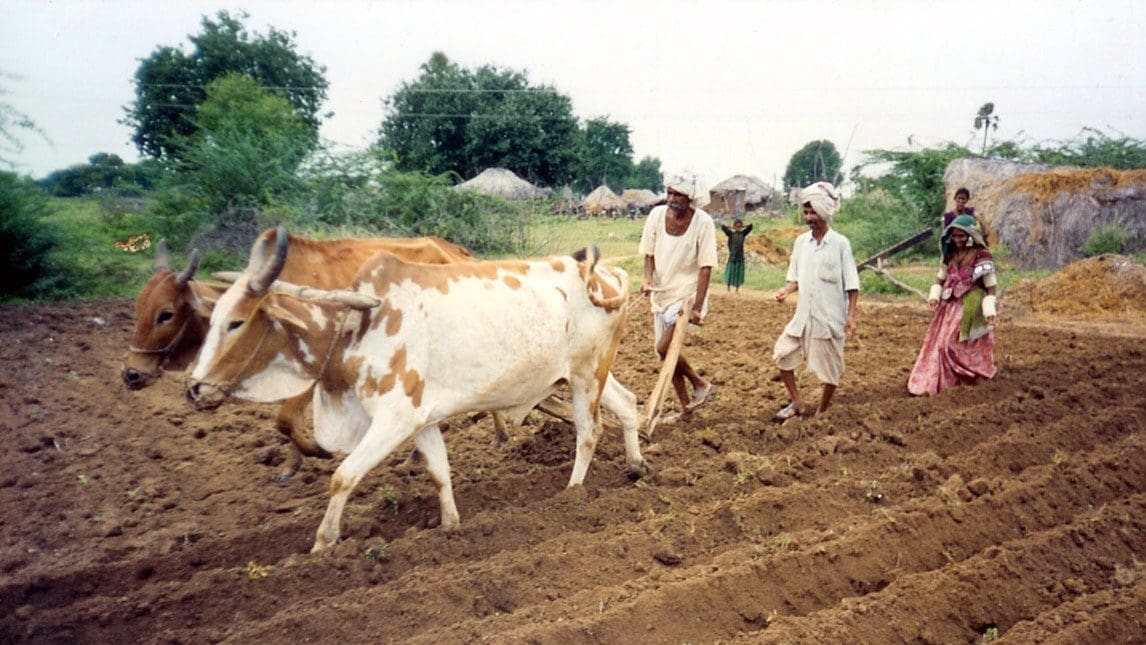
[
  {"x": 602, "y": 200},
  {"x": 499, "y": 182},
  {"x": 739, "y": 194},
  {"x": 638, "y": 196}
]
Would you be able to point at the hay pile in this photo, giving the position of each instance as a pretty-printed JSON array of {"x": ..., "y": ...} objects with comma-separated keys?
[
  {"x": 1044, "y": 215},
  {"x": 602, "y": 199},
  {"x": 1106, "y": 284}
]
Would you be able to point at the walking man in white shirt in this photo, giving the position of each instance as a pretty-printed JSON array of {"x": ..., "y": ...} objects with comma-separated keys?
[
  {"x": 679, "y": 245},
  {"x": 823, "y": 269}
]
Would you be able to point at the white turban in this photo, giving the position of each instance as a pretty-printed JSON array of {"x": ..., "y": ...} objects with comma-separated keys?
[
  {"x": 824, "y": 197},
  {"x": 689, "y": 182}
]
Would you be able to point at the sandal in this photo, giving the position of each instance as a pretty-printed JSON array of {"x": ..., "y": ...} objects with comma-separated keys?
[
  {"x": 700, "y": 397},
  {"x": 785, "y": 413}
]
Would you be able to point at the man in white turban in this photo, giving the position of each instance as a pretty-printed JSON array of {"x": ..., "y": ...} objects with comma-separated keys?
[
  {"x": 823, "y": 269},
  {"x": 679, "y": 245}
]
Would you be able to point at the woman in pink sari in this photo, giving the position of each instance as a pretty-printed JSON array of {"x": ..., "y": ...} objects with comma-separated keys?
[{"x": 959, "y": 346}]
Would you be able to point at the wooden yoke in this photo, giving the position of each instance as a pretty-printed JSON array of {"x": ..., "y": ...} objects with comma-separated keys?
[{"x": 653, "y": 405}]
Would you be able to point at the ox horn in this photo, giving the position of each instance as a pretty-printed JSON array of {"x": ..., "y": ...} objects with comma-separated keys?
[
  {"x": 161, "y": 256},
  {"x": 351, "y": 299},
  {"x": 266, "y": 269},
  {"x": 227, "y": 276},
  {"x": 192, "y": 267}
]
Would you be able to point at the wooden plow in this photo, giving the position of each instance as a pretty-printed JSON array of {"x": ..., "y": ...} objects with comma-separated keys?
[
  {"x": 653, "y": 404},
  {"x": 875, "y": 262}
]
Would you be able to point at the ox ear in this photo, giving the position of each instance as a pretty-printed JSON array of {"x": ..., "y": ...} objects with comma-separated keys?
[
  {"x": 161, "y": 256},
  {"x": 281, "y": 314},
  {"x": 203, "y": 300},
  {"x": 192, "y": 267},
  {"x": 267, "y": 259}
]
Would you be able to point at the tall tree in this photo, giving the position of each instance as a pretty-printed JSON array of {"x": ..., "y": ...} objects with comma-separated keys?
[
  {"x": 605, "y": 155},
  {"x": 247, "y": 146},
  {"x": 453, "y": 119},
  {"x": 986, "y": 120},
  {"x": 817, "y": 161},
  {"x": 169, "y": 83},
  {"x": 647, "y": 174}
]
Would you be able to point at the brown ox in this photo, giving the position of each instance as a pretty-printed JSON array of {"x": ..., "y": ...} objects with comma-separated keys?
[
  {"x": 412, "y": 344},
  {"x": 173, "y": 310}
]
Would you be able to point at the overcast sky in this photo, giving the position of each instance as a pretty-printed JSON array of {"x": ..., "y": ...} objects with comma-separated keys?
[{"x": 721, "y": 87}]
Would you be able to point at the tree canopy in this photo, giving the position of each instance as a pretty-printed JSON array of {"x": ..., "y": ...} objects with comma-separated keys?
[
  {"x": 454, "y": 119},
  {"x": 817, "y": 161},
  {"x": 170, "y": 84}
]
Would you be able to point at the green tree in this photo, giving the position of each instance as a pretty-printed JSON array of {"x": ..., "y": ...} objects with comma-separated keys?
[
  {"x": 817, "y": 161},
  {"x": 248, "y": 145},
  {"x": 528, "y": 132},
  {"x": 986, "y": 120},
  {"x": 452, "y": 119},
  {"x": 605, "y": 155},
  {"x": 103, "y": 171},
  {"x": 647, "y": 174},
  {"x": 170, "y": 84},
  {"x": 915, "y": 177}
]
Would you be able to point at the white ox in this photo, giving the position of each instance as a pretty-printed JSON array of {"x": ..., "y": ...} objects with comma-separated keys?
[{"x": 412, "y": 344}]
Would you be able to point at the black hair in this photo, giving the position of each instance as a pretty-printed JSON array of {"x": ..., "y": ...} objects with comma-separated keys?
[{"x": 963, "y": 191}]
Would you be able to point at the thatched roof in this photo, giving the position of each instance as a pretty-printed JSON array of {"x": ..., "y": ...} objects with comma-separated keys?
[
  {"x": 638, "y": 196},
  {"x": 755, "y": 190},
  {"x": 602, "y": 199},
  {"x": 499, "y": 182}
]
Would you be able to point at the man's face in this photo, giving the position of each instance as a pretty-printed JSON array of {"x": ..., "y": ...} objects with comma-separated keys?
[
  {"x": 811, "y": 217},
  {"x": 737, "y": 225},
  {"x": 677, "y": 201}
]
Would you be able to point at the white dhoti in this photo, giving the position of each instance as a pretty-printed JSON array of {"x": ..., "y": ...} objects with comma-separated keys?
[{"x": 825, "y": 356}]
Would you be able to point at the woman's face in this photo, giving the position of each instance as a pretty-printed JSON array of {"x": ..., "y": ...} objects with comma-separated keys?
[
  {"x": 959, "y": 237},
  {"x": 960, "y": 202}
]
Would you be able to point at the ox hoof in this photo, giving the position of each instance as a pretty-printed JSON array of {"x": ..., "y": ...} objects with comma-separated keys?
[
  {"x": 639, "y": 470},
  {"x": 284, "y": 478},
  {"x": 322, "y": 545}
]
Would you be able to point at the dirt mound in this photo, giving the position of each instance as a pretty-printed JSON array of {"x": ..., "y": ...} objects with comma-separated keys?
[
  {"x": 1016, "y": 507},
  {"x": 1104, "y": 285},
  {"x": 758, "y": 248}
]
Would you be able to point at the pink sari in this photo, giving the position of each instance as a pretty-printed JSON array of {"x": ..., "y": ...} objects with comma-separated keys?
[{"x": 945, "y": 361}]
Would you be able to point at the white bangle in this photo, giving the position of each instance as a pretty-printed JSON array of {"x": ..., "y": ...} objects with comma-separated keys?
[
  {"x": 936, "y": 291},
  {"x": 989, "y": 308}
]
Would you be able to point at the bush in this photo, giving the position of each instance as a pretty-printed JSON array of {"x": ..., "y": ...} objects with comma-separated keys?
[
  {"x": 1107, "y": 238},
  {"x": 877, "y": 219},
  {"x": 27, "y": 268},
  {"x": 410, "y": 204}
]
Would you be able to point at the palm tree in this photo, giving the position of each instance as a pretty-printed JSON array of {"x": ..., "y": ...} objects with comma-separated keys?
[{"x": 985, "y": 120}]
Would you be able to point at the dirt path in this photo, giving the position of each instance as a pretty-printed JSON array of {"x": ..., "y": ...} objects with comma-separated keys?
[{"x": 1014, "y": 508}]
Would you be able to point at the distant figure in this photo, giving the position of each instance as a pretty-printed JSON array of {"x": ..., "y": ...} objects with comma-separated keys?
[
  {"x": 734, "y": 270},
  {"x": 962, "y": 196},
  {"x": 679, "y": 247},
  {"x": 823, "y": 269},
  {"x": 959, "y": 346}
]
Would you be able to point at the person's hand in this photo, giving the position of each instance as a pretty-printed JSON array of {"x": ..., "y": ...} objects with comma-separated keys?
[
  {"x": 991, "y": 320},
  {"x": 646, "y": 287},
  {"x": 779, "y": 294},
  {"x": 694, "y": 317},
  {"x": 849, "y": 328},
  {"x": 933, "y": 305}
]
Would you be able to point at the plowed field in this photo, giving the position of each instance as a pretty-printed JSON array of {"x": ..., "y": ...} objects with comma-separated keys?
[{"x": 1013, "y": 509}]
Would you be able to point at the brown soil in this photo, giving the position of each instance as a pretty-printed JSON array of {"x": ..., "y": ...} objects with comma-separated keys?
[
  {"x": 1014, "y": 508},
  {"x": 1106, "y": 285}
]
